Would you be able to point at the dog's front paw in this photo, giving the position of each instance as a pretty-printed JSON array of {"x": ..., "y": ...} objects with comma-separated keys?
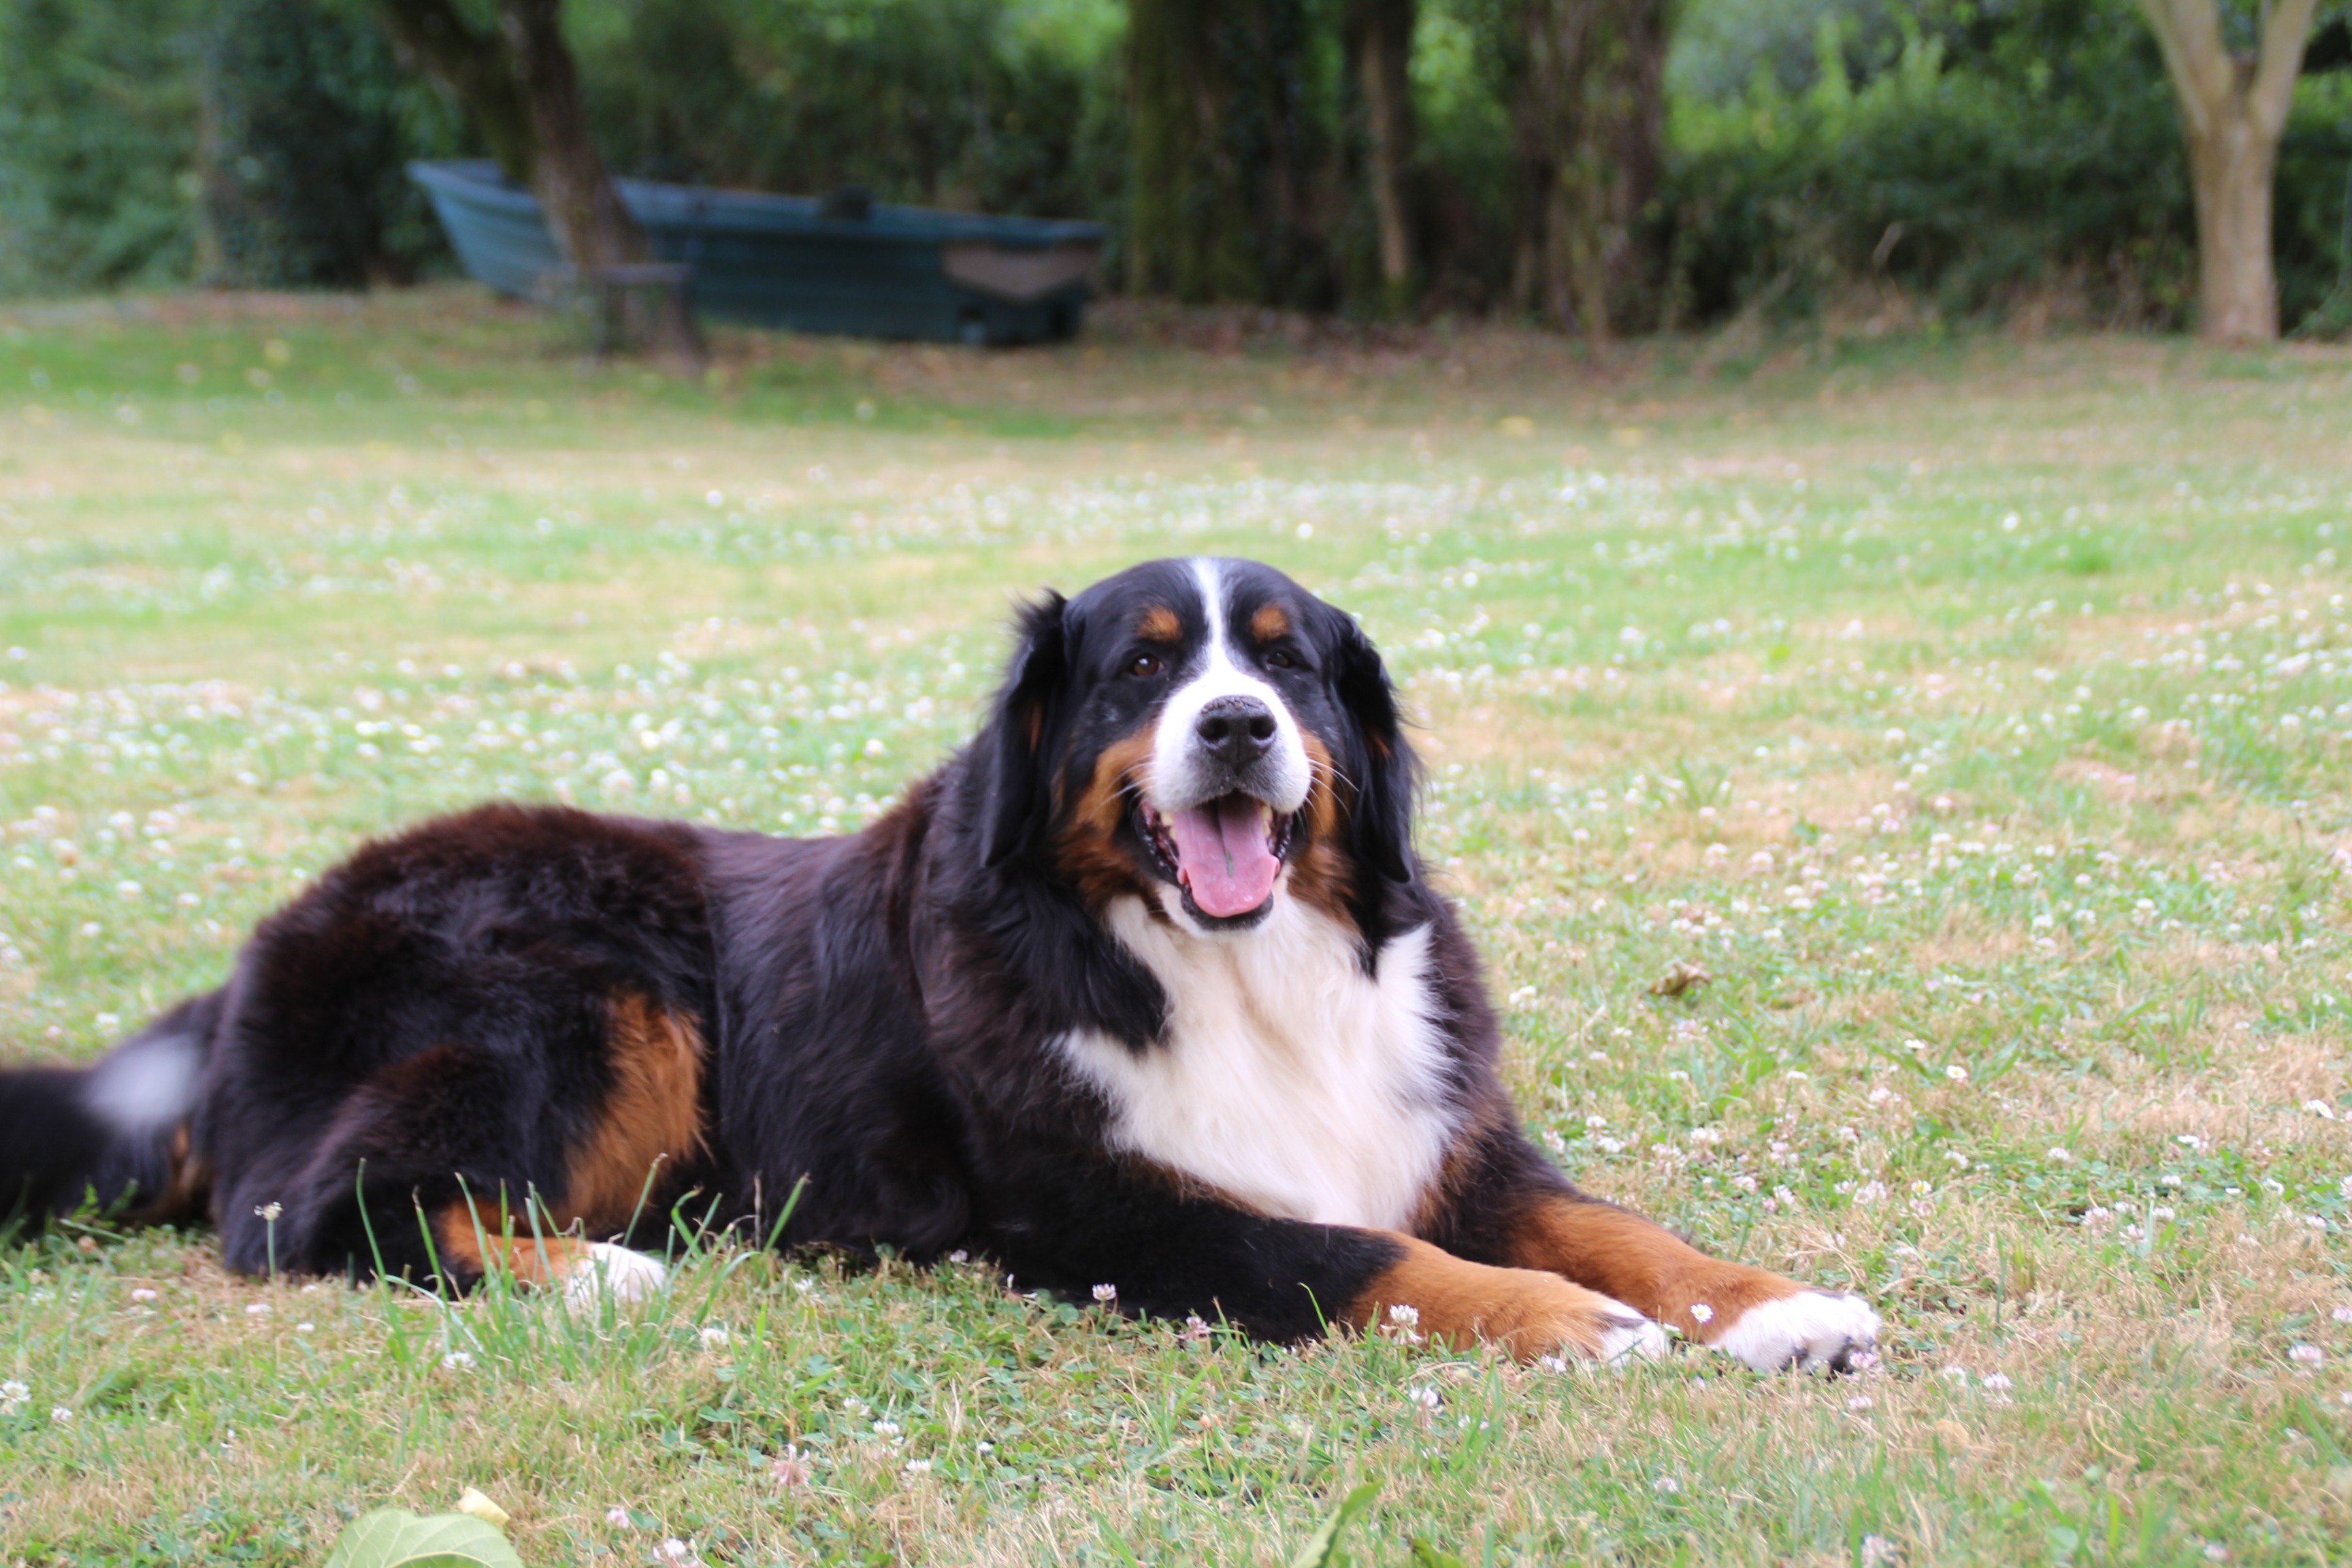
[
  {"x": 1813, "y": 1330},
  {"x": 1626, "y": 1336},
  {"x": 615, "y": 1271}
]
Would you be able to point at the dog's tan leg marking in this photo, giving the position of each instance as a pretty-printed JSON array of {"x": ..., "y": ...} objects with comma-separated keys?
[{"x": 1525, "y": 1311}]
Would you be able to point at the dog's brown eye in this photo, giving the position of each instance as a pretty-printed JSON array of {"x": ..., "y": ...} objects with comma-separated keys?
[
  {"x": 1279, "y": 659},
  {"x": 1145, "y": 666}
]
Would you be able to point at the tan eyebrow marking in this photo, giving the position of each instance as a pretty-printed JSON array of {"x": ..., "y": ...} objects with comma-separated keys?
[
  {"x": 1270, "y": 623},
  {"x": 1160, "y": 625}
]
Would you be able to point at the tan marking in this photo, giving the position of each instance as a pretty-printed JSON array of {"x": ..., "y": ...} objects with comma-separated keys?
[
  {"x": 187, "y": 1183},
  {"x": 1159, "y": 624},
  {"x": 1321, "y": 874},
  {"x": 1642, "y": 1264},
  {"x": 1525, "y": 1311},
  {"x": 1089, "y": 853},
  {"x": 1270, "y": 622},
  {"x": 652, "y": 1113},
  {"x": 479, "y": 1236}
]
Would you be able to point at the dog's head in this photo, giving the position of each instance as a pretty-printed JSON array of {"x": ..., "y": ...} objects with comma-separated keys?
[{"x": 1206, "y": 734}]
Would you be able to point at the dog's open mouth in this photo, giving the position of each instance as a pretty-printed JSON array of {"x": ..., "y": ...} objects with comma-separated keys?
[{"x": 1225, "y": 853}]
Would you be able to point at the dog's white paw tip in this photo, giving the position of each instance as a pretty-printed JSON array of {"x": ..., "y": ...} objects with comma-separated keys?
[
  {"x": 1630, "y": 1336},
  {"x": 1812, "y": 1331},
  {"x": 614, "y": 1271}
]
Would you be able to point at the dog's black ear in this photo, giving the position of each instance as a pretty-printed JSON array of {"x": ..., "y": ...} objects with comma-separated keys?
[
  {"x": 1019, "y": 793},
  {"x": 1384, "y": 769}
]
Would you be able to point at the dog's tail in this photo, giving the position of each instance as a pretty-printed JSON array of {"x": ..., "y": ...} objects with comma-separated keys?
[{"x": 115, "y": 1134}]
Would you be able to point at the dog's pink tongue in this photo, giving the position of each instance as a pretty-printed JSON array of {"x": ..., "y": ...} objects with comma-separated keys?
[{"x": 1221, "y": 849}]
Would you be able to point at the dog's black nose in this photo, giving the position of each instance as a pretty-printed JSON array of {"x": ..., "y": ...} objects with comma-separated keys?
[{"x": 1236, "y": 728}]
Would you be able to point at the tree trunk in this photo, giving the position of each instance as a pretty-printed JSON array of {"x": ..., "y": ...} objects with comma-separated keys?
[
  {"x": 568, "y": 174},
  {"x": 1381, "y": 32},
  {"x": 1589, "y": 109},
  {"x": 474, "y": 66},
  {"x": 1221, "y": 169},
  {"x": 2233, "y": 109},
  {"x": 2233, "y": 167}
]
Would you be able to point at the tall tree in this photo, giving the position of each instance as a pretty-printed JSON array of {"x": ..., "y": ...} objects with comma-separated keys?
[
  {"x": 1221, "y": 144},
  {"x": 521, "y": 90},
  {"x": 1589, "y": 110},
  {"x": 2233, "y": 108},
  {"x": 1380, "y": 42}
]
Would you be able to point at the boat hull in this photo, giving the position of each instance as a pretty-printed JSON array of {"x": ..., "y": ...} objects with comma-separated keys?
[{"x": 784, "y": 261}]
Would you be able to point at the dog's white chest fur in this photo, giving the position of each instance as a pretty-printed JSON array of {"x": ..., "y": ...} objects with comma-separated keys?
[{"x": 1289, "y": 1078}]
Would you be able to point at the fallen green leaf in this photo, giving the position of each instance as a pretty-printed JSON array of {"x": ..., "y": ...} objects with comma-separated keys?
[{"x": 395, "y": 1538}]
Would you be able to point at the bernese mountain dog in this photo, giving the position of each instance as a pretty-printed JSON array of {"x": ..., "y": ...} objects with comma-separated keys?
[{"x": 1145, "y": 988}]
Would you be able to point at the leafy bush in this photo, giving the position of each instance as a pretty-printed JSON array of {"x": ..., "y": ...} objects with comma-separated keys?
[
  {"x": 309, "y": 123},
  {"x": 1985, "y": 154},
  {"x": 252, "y": 142},
  {"x": 998, "y": 105},
  {"x": 97, "y": 137}
]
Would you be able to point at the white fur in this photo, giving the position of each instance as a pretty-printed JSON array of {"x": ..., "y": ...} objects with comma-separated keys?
[
  {"x": 1808, "y": 1331},
  {"x": 1631, "y": 1338},
  {"x": 145, "y": 1083},
  {"x": 1289, "y": 1079},
  {"x": 1177, "y": 779},
  {"x": 614, "y": 1271}
]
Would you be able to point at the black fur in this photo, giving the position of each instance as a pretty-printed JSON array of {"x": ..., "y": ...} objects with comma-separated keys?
[{"x": 433, "y": 1018}]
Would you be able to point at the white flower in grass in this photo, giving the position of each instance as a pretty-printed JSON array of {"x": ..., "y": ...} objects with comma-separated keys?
[
  {"x": 2341, "y": 1314},
  {"x": 886, "y": 1430},
  {"x": 1859, "y": 1402},
  {"x": 1668, "y": 1487},
  {"x": 1998, "y": 1381},
  {"x": 457, "y": 1360},
  {"x": 142, "y": 1294},
  {"x": 2216, "y": 1552},
  {"x": 1877, "y": 1552},
  {"x": 617, "y": 1517},
  {"x": 2307, "y": 1355},
  {"x": 1702, "y": 1312},
  {"x": 1422, "y": 1396},
  {"x": 2060, "y": 1156},
  {"x": 60, "y": 1414},
  {"x": 918, "y": 1467},
  {"x": 788, "y": 1468},
  {"x": 1551, "y": 1363},
  {"x": 1956, "y": 1073},
  {"x": 958, "y": 1255},
  {"x": 714, "y": 1336},
  {"x": 12, "y": 1395},
  {"x": 1194, "y": 1330},
  {"x": 1106, "y": 1294}
]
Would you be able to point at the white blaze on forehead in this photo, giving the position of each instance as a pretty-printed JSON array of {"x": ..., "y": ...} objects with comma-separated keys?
[
  {"x": 145, "y": 1083},
  {"x": 1180, "y": 776}
]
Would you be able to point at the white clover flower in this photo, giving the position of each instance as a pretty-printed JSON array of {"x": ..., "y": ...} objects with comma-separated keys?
[
  {"x": 1858, "y": 1401},
  {"x": 1403, "y": 1316},
  {"x": 918, "y": 1467},
  {"x": 1551, "y": 1363},
  {"x": 61, "y": 1415},
  {"x": 617, "y": 1517},
  {"x": 886, "y": 1430},
  {"x": 958, "y": 1255},
  {"x": 1998, "y": 1381},
  {"x": 2306, "y": 1355},
  {"x": 714, "y": 1336},
  {"x": 1424, "y": 1396},
  {"x": 1106, "y": 1294},
  {"x": 2341, "y": 1314},
  {"x": 142, "y": 1294},
  {"x": 457, "y": 1360},
  {"x": 1667, "y": 1486},
  {"x": 2060, "y": 1156}
]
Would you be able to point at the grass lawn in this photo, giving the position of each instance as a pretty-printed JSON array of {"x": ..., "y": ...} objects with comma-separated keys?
[{"x": 1974, "y": 712}]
